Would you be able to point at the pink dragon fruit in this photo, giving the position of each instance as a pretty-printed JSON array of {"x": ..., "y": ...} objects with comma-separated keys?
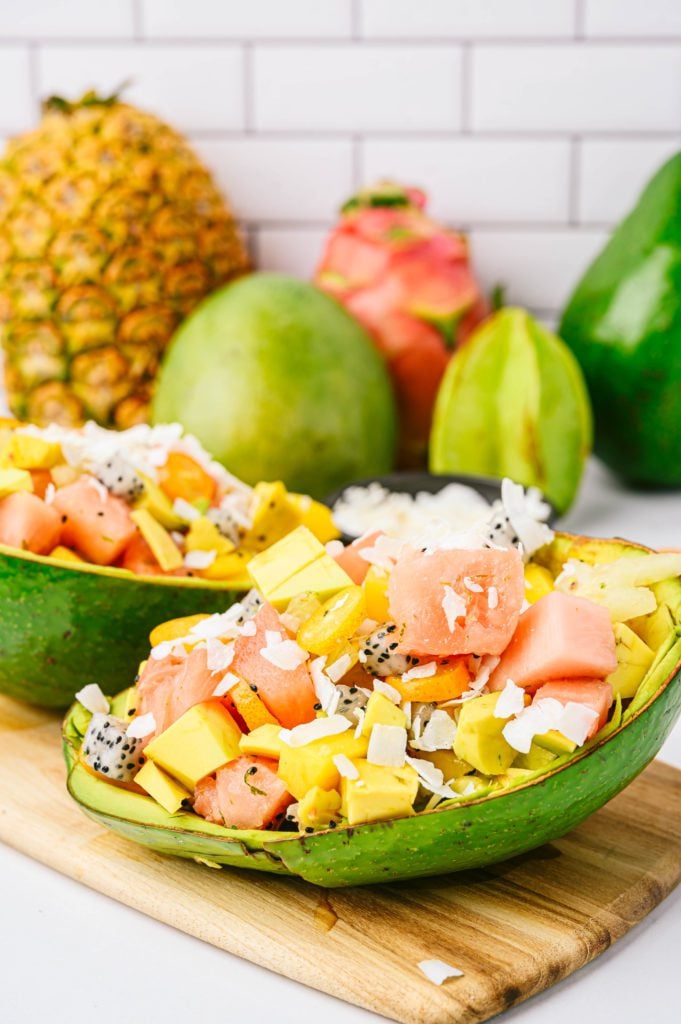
[{"x": 408, "y": 280}]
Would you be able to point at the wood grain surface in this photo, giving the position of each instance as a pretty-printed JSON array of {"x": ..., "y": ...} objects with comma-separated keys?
[{"x": 514, "y": 929}]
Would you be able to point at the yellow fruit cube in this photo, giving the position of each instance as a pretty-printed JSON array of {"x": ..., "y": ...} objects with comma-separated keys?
[
  {"x": 634, "y": 658},
  {"x": 198, "y": 743},
  {"x": 323, "y": 577},
  {"x": 271, "y": 568},
  {"x": 164, "y": 789},
  {"x": 379, "y": 793},
  {"x": 263, "y": 741},
  {"x": 538, "y": 582},
  {"x": 555, "y": 742},
  {"x": 315, "y": 516},
  {"x": 164, "y": 548},
  {"x": 301, "y": 768},
  {"x": 451, "y": 766},
  {"x": 173, "y": 629},
  {"x": 536, "y": 757},
  {"x": 157, "y": 502},
  {"x": 27, "y": 452},
  {"x": 335, "y": 621},
  {"x": 203, "y": 535},
  {"x": 63, "y": 554},
  {"x": 376, "y": 592},
  {"x": 318, "y": 807},
  {"x": 380, "y": 710},
  {"x": 13, "y": 480},
  {"x": 273, "y": 517},
  {"x": 479, "y": 737}
]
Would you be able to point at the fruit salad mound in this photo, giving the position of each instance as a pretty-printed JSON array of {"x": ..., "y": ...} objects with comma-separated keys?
[
  {"x": 385, "y": 679},
  {"x": 149, "y": 500}
]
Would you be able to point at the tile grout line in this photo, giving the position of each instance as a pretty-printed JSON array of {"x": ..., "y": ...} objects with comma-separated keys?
[
  {"x": 466, "y": 87},
  {"x": 34, "y": 75},
  {"x": 138, "y": 21},
  {"x": 574, "y": 182},
  {"x": 247, "y": 84}
]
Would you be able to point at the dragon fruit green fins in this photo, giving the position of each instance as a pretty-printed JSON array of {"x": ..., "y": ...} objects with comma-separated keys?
[
  {"x": 408, "y": 280},
  {"x": 379, "y": 653},
  {"x": 513, "y": 403},
  {"x": 108, "y": 751},
  {"x": 119, "y": 477}
]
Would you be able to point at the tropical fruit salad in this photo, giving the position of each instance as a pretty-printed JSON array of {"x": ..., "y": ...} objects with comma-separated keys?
[
  {"x": 148, "y": 499},
  {"x": 371, "y": 682}
]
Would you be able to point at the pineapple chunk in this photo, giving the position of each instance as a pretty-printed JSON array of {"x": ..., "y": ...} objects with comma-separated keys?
[
  {"x": 164, "y": 548},
  {"x": 13, "y": 480},
  {"x": 376, "y": 593},
  {"x": 634, "y": 658},
  {"x": 273, "y": 518},
  {"x": 315, "y": 516},
  {"x": 379, "y": 793},
  {"x": 264, "y": 741},
  {"x": 162, "y": 787},
  {"x": 27, "y": 452},
  {"x": 203, "y": 535},
  {"x": 335, "y": 621},
  {"x": 381, "y": 711},
  {"x": 173, "y": 629},
  {"x": 538, "y": 582},
  {"x": 318, "y": 807}
]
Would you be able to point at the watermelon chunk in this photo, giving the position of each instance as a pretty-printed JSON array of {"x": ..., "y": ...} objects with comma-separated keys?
[
  {"x": 426, "y": 590},
  {"x": 558, "y": 637},
  {"x": 351, "y": 559},
  {"x": 170, "y": 686},
  {"x": 288, "y": 694},
  {"x": 246, "y": 793},
  {"x": 28, "y": 523},
  {"x": 98, "y": 524},
  {"x": 594, "y": 693}
]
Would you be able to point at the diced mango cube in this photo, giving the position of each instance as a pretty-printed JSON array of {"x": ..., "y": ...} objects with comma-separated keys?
[
  {"x": 318, "y": 807},
  {"x": 379, "y": 793},
  {"x": 301, "y": 768},
  {"x": 263, "y": 741},
  {"x": 479, "y": 738},
  {"x": 380, "y": 710},
  {"x": 162, "y": 787},
  {"x": 198, "y": 743},
  {"x": 164, "y": 548}
]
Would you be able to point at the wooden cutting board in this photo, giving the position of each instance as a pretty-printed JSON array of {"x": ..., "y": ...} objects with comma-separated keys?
[{"x": 514, "y": 929}]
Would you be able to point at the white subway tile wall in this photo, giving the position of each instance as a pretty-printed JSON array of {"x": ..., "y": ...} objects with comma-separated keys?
[{"x": 532, "y": 125}]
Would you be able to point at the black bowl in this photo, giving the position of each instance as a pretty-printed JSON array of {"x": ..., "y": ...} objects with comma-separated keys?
[{"x": 414, "y": 481}]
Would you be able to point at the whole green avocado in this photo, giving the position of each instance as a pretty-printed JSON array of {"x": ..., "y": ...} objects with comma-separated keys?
[
  {"x": 623, "y": 323},
  {"x": 279, "y": 383}
]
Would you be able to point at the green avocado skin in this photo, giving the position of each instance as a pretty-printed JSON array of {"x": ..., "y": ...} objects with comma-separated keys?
[
  {"x": 467, "y": 835},
  {"x": 280, "y": 383},
  {"x": 623, "y": 323},
  {"x": 62, "y": 628}
]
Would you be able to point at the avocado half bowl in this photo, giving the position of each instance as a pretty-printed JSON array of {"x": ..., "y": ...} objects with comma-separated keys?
[
  {"x": 472, "y": 832},
  {"x": 64, "y": 625}
]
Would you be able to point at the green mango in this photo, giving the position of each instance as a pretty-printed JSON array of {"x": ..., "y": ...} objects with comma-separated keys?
[
  {"x": 623, "y": 323},
  {"x": 280, "y": 383},
  {"x": 513, "y": 403},
  {"x": 67, "y": 625},
  {"x": 488, "y": 826}
]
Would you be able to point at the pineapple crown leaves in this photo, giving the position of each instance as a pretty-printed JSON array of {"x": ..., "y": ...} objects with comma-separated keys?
[
  {"x": 89, "y": 99},
  {"x": 384, "y": 194}
]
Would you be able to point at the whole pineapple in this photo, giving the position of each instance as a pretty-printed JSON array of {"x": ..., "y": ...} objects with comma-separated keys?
[{"x": 111, "y": 231}]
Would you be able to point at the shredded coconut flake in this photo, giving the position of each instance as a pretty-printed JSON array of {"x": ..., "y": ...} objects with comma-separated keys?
[
  {"x": 185, "y": 510},
  {"x": 576, "y": 722},
  {"x": 228, "y": 681},
  {"x": 387, "y": 746},
  {"x": 249, "y": 628},
  {"x": 92, "y": 699},
  {"x": 420, "y": 671},
  {"x": 492, "y": 598},
  {"x": 335, "y": 548},
  {"x": 50, "y": 492},
  {"x": 219, "y": 656},
  {"x": 438, "y": 733},
  {"x": 511, "y": 701},
  {"x": 453, "y": 606},
  {"x": 317, "y": 729},
  {"x": 359, "y": 715},
  {"x": 282, "y": 653},
  {"x": 346, "y": 769},
  {"x": 471, "y": 585},
  {"x": 431, "y": 778},
  {"x": 438, "y": 971},
  {"x": 141, "y": 726},
  {"x": 339, "y": 667},
  {"x": 380, "y": 686},
  {"x": 219, "y": 627},
  {"x": 199, "y": 559}
]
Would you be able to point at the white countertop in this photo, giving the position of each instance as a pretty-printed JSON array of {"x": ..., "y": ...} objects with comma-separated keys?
[{"x": 68, "y": 954}]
